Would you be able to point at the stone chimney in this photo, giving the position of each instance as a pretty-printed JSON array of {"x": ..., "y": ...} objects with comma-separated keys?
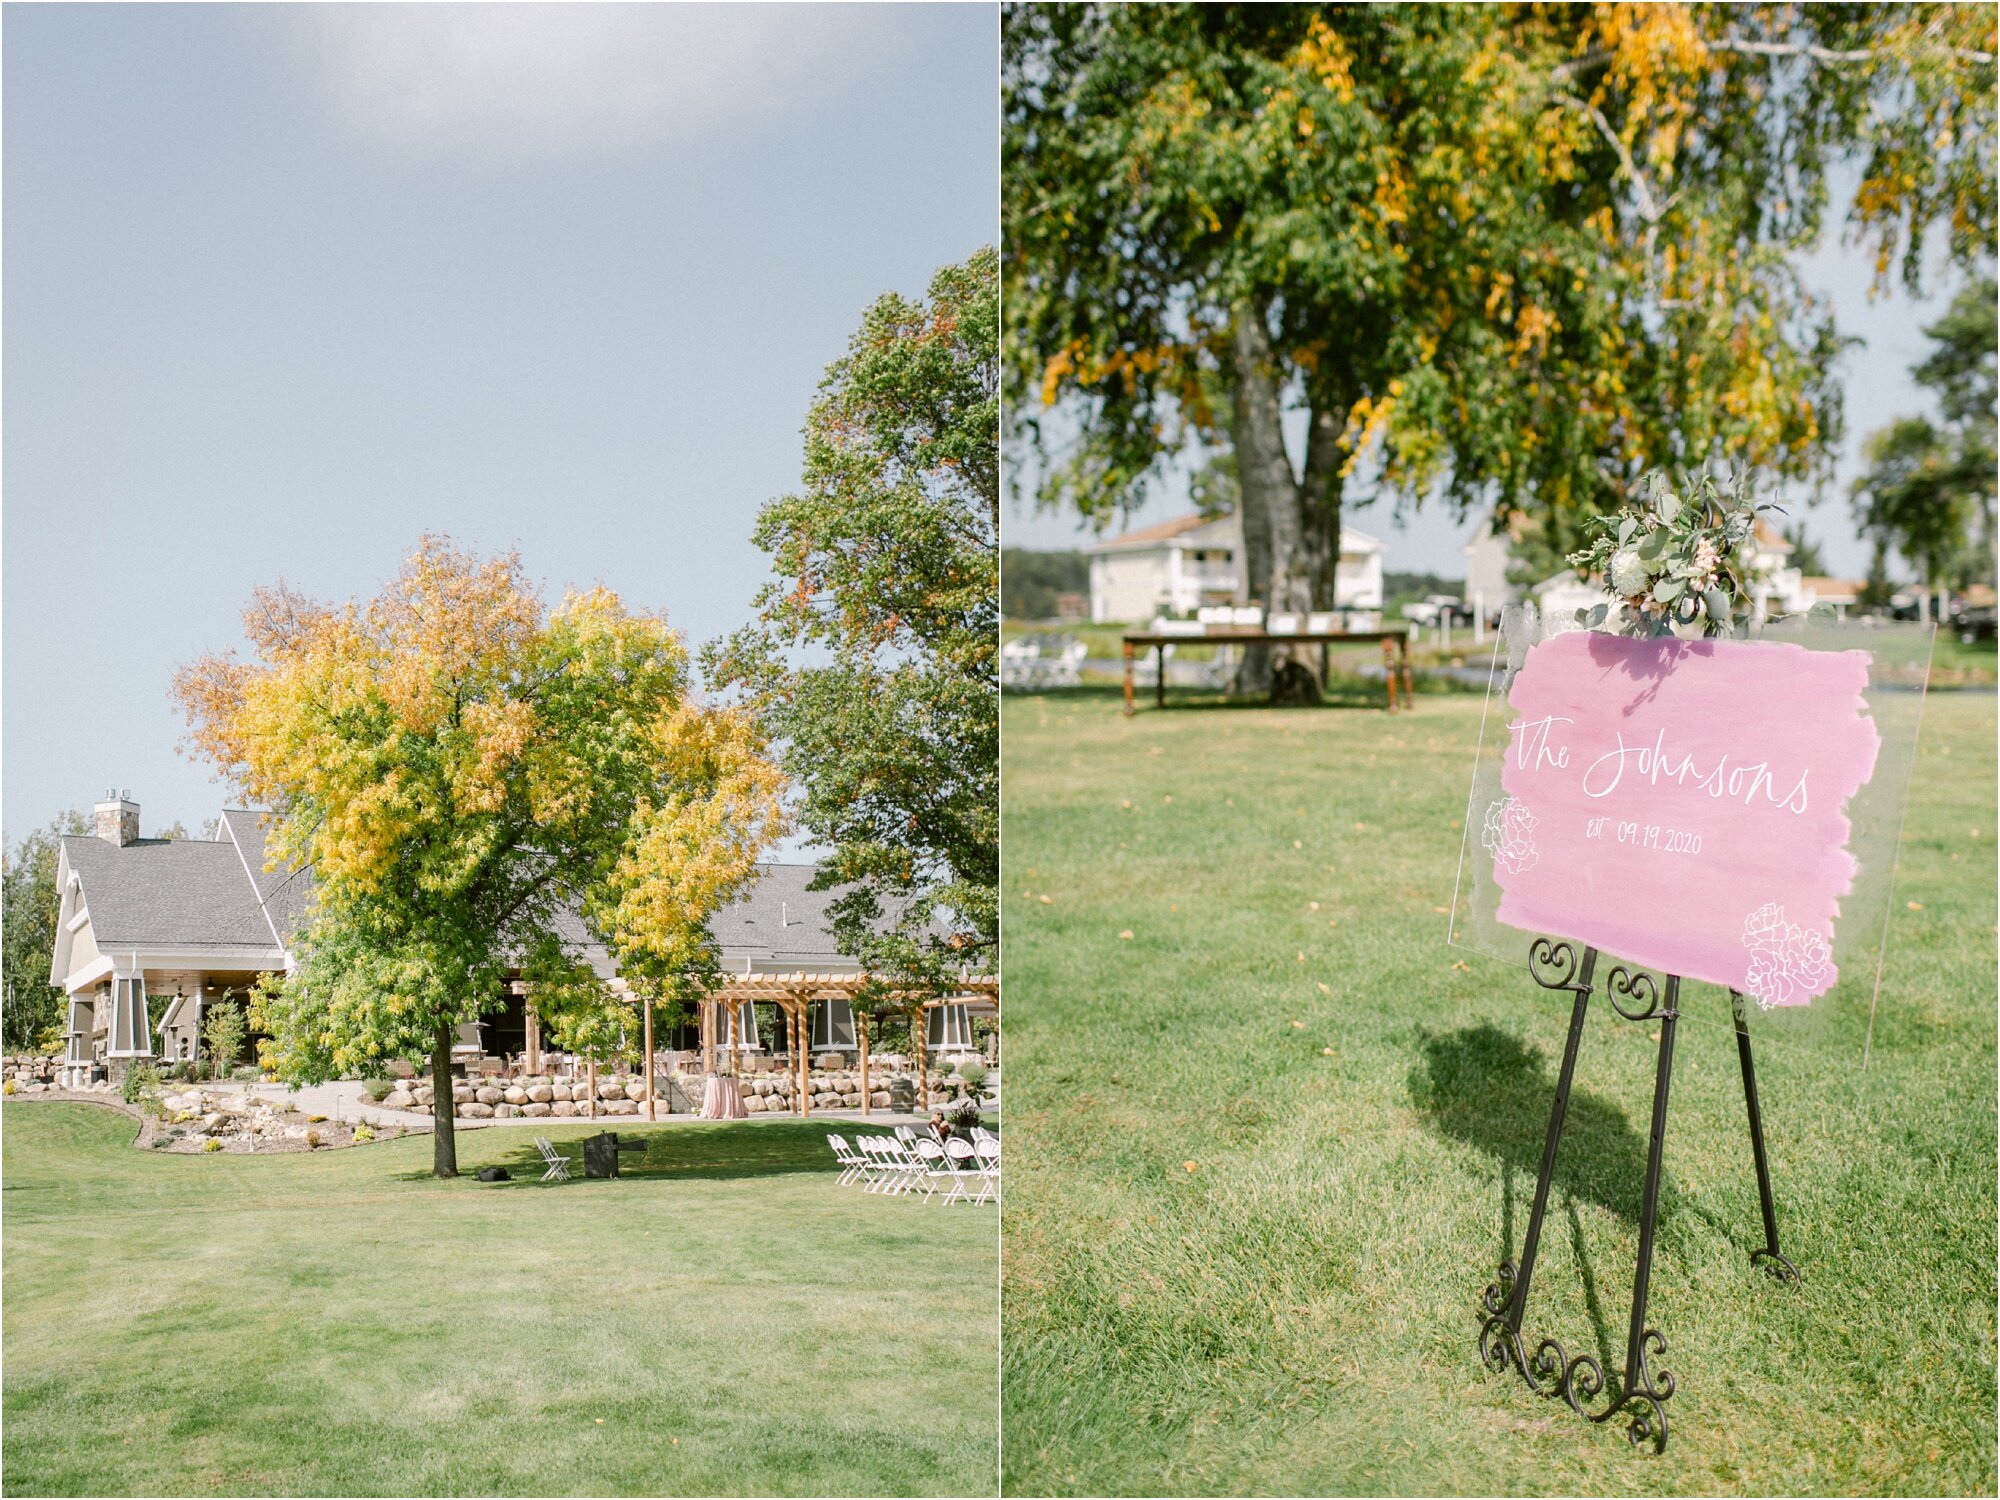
[{"x": 118, "y": 818}]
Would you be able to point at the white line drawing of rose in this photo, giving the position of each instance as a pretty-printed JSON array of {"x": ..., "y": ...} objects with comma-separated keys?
[
  {"x": 1789, "y": 964},
  {"x": 1509, "y": 832}
]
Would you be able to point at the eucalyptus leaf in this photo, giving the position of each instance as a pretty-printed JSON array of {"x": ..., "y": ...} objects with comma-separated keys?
[
  {"x": 1667, "y": 589},
  {"x": 1669, "y": 506}
]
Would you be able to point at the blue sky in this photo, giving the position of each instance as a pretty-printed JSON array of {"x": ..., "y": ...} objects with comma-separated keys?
[
  {"x": 287, "y": 286},
  {"x": 1876, "y": 380}
]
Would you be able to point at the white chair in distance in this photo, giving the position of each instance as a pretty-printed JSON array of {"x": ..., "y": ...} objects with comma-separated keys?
[{"x": 554, "y": 1160}]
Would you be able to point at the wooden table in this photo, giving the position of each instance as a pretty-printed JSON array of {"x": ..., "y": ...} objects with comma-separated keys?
[{"x": 1395, "y": 654}]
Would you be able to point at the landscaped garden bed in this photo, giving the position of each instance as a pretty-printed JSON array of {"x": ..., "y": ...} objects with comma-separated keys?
[{"x": 205, "y": 1122}]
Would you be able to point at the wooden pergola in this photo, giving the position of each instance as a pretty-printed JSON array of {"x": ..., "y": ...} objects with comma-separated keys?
[{"x": 794, "y": 993}]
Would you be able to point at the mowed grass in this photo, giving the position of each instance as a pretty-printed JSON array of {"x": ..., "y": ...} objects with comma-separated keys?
[
  {"x": 1266, "y": 1157},
  {"x": 722, "y": 1320}
]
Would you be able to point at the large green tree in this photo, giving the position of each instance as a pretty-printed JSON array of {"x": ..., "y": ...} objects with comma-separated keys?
[
  {"x": 1929, "y": 487},
  {"x": 873, "y": 660},
  {"x": 29, "y": 907},
  {"x": 467, "y": 771},
  {"x": 1512, "y": 255}
]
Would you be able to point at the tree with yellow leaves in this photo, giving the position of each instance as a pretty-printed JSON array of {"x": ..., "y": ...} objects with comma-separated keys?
[
  {"x": 1506, "y": 255},
  {"x": 477, "y": 782}
]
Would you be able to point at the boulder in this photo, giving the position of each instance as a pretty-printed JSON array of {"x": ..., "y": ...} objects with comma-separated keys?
[
  {"x": 563, "y": 1108},
  {"x": 489, "y": 1094},
  {"x": 610, "y": 1088},
  {"x": 754, "y": 1103},
  {"x": 399, "y": 1099},
  {"x": 879, "y": 1099},
  {"x": 515, "y": 1094},
  {"x": 536, "y": 1110},
  {"x": 504, "y": 1111},
  {"x": 561, "y": 1092},
  {"x": 541, "y": 1093},
  {"x": 476, "y": 1110},
  {"x": 636, "y": 1089},
  {"x": 621, "y": 1107}
]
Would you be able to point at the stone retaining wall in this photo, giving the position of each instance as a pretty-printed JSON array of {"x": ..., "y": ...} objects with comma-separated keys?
[{"x": 680, "y": 1093}]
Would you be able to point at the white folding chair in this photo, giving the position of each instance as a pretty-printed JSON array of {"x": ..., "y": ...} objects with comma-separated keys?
[
  {"x": 933, "y": 1168},
  {"x": 964, "y": 1163},
  {"x": 558, "y": 1164},
  {"x": 843, "y": 1154},
  {"x": 988, "y": 1151},
  {"x": 904, "y": 1169},
  {"x": 884, "y": 1171}
]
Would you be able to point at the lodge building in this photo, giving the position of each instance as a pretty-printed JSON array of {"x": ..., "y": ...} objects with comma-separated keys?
[{"x": 197, "y": 922}]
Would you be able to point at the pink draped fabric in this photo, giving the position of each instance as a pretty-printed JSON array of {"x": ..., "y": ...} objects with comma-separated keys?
[{"x": 722, "y": 1100}]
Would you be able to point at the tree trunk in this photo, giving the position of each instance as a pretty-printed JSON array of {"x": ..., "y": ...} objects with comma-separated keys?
[
  {"x": 1321, "y": 502},
  {"x": 1269, "y": 510},
  {"x": 444, "y": 1145}
]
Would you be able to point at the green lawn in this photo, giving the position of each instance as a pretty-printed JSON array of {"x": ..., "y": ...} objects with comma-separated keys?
[
  {"x": 1237, "y": 1264},
  {"x": 724, "y": 1320}
]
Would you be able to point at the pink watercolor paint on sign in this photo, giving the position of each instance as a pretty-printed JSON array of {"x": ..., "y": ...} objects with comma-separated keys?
[{"x": 1681, "y": 804}]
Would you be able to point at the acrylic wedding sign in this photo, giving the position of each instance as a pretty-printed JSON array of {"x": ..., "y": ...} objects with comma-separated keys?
[{"x": 1722, "y": 810}]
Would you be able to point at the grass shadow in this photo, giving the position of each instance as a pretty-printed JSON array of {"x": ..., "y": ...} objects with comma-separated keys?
[
  {"x": 718, "y": 1152},
  {"x": 1343, "y": 690},
  {"x": 1489, "y": 1089}
]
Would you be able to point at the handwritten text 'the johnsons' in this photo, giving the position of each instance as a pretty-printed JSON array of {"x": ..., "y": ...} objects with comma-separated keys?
[{"x": 1536, "y": 749}]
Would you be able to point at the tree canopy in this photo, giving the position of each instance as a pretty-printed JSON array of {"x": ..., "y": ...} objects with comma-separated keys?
[
  {"x": 473, "y": 777},
  {"x": 32, "y": 904},
  {"x": 873, "y": 659},
  {"x": 1515, "y": 255},
  {"x": 1929, "y": 487}
]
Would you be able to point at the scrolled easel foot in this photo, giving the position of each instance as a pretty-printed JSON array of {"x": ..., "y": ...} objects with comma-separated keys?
[{"x": 1776, "y": 1266}]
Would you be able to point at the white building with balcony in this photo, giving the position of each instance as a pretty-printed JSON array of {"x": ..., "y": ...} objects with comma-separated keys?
[{"x": 1178, "y": 566}]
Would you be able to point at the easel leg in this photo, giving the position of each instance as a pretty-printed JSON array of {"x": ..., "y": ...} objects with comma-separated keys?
[
  {"x": 1651, "y": 1420},
  {"x": 1507, "y": 1298},
  {"x": 1551, "y": 1371},
  {"x": 1769, "y": 1256}
]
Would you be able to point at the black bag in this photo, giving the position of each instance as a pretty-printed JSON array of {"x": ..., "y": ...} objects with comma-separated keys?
[{"x": 495, "y": 1174}]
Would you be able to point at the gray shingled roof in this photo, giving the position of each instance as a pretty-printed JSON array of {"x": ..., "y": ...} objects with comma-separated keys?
[
  {"x": 286, "y": 893},
  {"x": 187, "y": 893},
  {"x": 193, "y": 892},
  {"x": 780, "y": 921}
]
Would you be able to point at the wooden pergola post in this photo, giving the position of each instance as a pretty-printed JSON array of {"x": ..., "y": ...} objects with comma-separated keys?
[
  {"x": 707, "y": 1036},
  {"x": 593, "y": 1088},
  {"x": 651, "y": 1112},
  {"x": 919, "y": 1024},
  {"x": 861, "y": 1036},
  {"x": 805, "y": 1062},
  {"x": 534, "y": 1040}
]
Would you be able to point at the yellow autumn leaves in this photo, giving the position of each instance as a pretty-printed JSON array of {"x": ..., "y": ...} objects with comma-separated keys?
[{"x": 453, "y": 720}]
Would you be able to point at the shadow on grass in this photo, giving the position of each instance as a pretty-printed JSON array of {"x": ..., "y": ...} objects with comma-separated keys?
[
  {"x": 672, "y": 1153},
  {"x": 1344, "y": 690},
  {"x": 1484, "y": 1086}
]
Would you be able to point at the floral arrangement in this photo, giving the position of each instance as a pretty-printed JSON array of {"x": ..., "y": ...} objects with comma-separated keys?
[{"x": 1674, "y": 558}]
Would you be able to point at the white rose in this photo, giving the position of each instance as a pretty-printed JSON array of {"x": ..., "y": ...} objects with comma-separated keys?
[{"x": 1628, "y": 573}]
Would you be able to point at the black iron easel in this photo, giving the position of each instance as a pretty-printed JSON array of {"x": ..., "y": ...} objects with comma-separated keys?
[{"x": 1551, "y": 1371}]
